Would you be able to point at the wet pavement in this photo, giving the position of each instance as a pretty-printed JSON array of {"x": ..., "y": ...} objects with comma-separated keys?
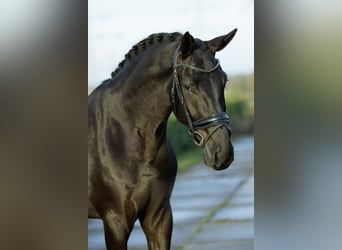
[{"x": 212, "y": 210}]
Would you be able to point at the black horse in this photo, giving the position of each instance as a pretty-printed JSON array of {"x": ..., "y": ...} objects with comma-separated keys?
[{"x": 131, "y": 164}]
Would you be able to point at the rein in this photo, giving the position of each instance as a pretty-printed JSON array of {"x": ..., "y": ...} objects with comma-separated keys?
[{"x": 216, "y": 121}]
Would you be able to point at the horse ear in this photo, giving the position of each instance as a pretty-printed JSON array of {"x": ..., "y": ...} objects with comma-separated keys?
[
  {"x": 220, "y": 42},
  {"x": 187, "y": 45}
]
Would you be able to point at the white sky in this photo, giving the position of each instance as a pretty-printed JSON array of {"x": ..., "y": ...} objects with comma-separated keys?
[{"x": 115, "y": 26}]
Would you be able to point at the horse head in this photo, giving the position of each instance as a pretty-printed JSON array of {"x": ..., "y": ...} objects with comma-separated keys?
[{"x": 198, "y": 97}]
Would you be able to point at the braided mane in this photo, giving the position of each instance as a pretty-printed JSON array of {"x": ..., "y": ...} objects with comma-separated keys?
[{"x": 140, "y": 46}]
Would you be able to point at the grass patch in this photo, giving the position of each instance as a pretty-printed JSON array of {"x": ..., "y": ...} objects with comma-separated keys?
[
  {"x": 186, "y": 151},
  {"x": 231, "y": 221},
  {"x": 188, "y": 158}
]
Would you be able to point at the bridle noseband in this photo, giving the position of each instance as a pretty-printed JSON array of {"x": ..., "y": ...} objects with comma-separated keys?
[{"x": 216, "y": 121}]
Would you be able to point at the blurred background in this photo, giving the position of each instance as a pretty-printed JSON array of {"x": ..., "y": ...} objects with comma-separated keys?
[
  {"x": 43, "y": 80},
  {"x": 114, "y": 27},
  {"x": 298, "y": 133}
]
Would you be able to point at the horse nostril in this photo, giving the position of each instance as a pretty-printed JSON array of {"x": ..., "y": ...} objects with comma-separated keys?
[
  {"x": 216, "y": 153},
  {"x": 215, "y": 156}
]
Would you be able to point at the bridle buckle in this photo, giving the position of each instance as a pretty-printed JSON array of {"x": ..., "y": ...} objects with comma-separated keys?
[{"x": 197, "y": 137}]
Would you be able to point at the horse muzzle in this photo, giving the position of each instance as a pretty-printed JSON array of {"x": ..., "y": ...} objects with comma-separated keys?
[{"x": 218, "y": 152}]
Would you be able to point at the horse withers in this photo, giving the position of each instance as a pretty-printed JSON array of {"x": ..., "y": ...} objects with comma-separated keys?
[{"x": 131, "y": 164}]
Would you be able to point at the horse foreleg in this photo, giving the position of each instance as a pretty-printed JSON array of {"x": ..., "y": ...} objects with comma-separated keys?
[
  {"x": 157, "y": 226},
  {"x": 117, "y": 231}
]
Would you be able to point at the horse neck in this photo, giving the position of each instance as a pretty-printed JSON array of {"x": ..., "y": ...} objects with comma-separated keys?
[{"x": 146, "y": 87}]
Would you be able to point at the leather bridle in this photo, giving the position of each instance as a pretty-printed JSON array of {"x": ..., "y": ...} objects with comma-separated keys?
[{"x": 215, "y": 121}]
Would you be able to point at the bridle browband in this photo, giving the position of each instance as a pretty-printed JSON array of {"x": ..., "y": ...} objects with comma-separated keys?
[{"x": 216, "y": 121}]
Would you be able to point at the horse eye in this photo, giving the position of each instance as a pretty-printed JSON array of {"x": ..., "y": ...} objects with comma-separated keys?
[{"x": 188, "y": 88}]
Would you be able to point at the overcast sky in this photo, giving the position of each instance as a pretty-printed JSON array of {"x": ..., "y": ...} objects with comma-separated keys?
[{"x": 116, "y": 25}]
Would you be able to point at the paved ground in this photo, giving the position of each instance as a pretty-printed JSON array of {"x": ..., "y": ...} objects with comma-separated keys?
[{"x": 212, "y": 210}]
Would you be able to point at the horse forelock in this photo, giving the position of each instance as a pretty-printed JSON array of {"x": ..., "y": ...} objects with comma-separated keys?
[{"x": 143, "y": 44}]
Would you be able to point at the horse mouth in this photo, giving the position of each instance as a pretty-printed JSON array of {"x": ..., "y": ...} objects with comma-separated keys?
[
  {"x": 225, "y": 165},
  {"x": 221, "y": 166}
]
